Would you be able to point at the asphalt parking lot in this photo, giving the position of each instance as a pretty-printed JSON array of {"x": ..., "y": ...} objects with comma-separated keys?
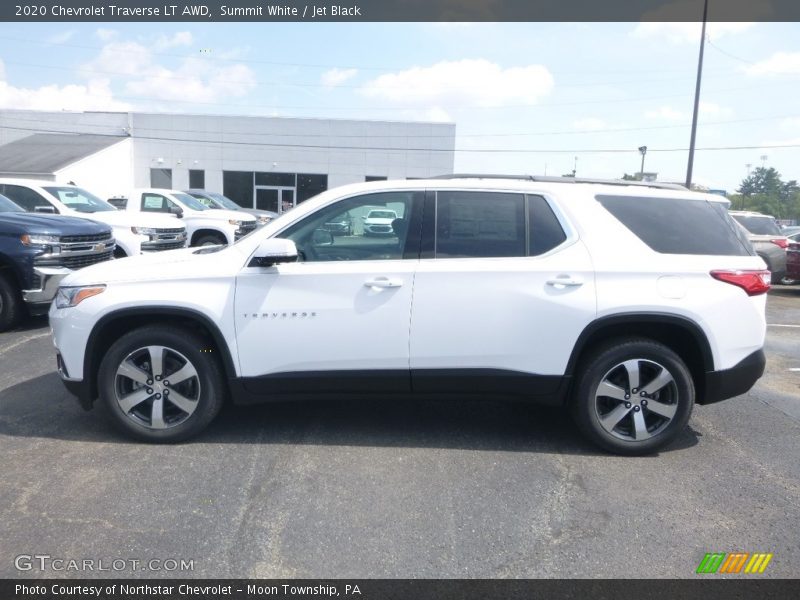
[{"x": 417, "y": 489}]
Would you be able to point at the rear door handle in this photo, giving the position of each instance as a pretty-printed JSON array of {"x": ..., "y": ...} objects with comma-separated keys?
[
  {"x": 383, "y": 282},
  {"x": 565, "y": 281}
]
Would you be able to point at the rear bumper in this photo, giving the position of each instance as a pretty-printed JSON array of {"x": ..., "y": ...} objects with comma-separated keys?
[{"x": 729, "y": 383}]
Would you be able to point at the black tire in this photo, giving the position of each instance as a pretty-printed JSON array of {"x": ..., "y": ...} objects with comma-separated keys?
[
  {"x": 119, "y": 253},
  {"x": 205, "y": 389},
  {"x": 210, "y": 239},
  {"x": 648, "y": 422},
  {"x": 11, "y": 308}
]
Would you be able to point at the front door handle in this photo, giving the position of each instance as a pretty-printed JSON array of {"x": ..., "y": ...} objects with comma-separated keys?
[
  {"x": 565, "y": 281},
  {"x": 383, "y": 282}
]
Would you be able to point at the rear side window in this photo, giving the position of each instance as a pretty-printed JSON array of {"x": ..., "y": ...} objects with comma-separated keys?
[
  {"x": 25, "y": 197},
  {"x": 678, "y": 226},
  {"x": 545, "y": 230},
  {"x": 759, "y": 225},
  {"x": 480, "y": 224}
]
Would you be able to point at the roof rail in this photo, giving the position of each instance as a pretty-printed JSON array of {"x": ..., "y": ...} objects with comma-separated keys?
[{"x": 550, "y": 179}]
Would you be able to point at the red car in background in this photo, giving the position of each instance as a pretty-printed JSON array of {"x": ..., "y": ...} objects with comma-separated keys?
[{"x": 793, "y": 262}]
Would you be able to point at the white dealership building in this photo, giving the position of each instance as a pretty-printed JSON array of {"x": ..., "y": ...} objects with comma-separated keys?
[{"x": 261, "y": 162}]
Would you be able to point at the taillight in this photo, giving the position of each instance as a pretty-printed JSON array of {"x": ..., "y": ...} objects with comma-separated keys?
[
  {"x": 752, "y": 282},
  {"x": 781, "y": 242}
]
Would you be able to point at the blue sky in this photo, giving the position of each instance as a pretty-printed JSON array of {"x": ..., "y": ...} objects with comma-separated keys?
[{"x": 525, "y": 97}]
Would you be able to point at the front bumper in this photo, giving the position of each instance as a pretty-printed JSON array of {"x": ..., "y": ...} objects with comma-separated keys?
[
  {"x": 77, "y": 388},
  {"x": 49, "y": 278},
  {"x": 729, "y": 383}
]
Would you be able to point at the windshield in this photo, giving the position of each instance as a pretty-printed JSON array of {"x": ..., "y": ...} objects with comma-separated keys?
[
  {"x": 189, "y": 201},
  {"x": 7, "y": 205},
  {"x": 381, "y": 214},
  {"x": 225, "y": 201},
  {"x": 79, "y": 200},
  {"x": 759, "y": 225}
]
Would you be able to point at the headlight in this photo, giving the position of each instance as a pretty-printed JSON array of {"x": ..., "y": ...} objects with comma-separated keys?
[
  {"x": 68, "y": 297},
  {"x": 264, "y": 219},
  {"x": 38, "y": 240},
  {"x": 235, "y": 222},
  {"x": 143, "y": 230}
]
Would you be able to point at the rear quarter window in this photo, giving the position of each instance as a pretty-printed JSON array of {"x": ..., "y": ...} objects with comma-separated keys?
[{"x": 678, "y": 226}]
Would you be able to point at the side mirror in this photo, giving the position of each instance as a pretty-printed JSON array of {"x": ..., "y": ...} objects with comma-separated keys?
[
  {"x": 322, "y": 237},
  {"x": 274, "y": 251},
  {"x": 177, "y": 211},
  {"x": 50, "y": 210}
]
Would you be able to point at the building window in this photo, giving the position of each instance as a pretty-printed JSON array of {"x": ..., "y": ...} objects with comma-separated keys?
[
  {"x": 276, "y": 179},
  {"x": 238, "y": 186},
  {"x": 197, "y": 179},
  {"x": 309, "y": 185},
  {"x": 161, "y": 178},
  {"x": 369, "y": 178}
]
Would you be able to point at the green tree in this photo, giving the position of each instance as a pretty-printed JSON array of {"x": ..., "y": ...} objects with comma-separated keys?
[{"x": 764, "y": 191}]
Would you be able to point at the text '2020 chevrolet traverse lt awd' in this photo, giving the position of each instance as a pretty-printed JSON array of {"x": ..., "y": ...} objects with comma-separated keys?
[{"x": 625, "y": 303}]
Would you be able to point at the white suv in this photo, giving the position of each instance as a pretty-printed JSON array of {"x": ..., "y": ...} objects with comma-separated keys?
[
  {"x": 134, "y": 234},
  {"x": 205, "y": 227},
  {"x": 626, "y": 303}
]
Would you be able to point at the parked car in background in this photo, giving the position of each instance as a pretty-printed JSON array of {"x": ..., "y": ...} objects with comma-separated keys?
[
  {"x": 217, "y": 201},
  {"x": 379, "y": 222},
  {"x": 204, "y": 226},
  {"x": 37, "y": 252},
  {"x": 133, "y": 234},
  {"x": 793, "y": 262},
  {"x": 767, "y": 239},
  {"x": 791, "y": 230},
  {"x": 624, "y": 303}
]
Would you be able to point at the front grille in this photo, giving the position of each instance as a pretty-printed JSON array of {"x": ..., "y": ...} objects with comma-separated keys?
[
  {"x": 175, "y": 231},
  {"x": 247, "y": 227},
  {"x": 78, "y": 262},
  {"x": 164, "y": 245},
  {"x": 70, "y": 239}
]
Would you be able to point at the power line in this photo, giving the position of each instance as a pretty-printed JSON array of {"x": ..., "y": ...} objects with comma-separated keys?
[{"x": 390, "y": 149}]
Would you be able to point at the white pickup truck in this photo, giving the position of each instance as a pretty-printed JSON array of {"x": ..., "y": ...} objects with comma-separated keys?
[
  {"x": 205, "y": 227},
  {"x": 134, "y": 234}
]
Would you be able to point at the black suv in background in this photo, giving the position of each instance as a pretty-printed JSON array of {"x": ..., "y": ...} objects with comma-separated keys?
[{"x": 37, "y": 252}]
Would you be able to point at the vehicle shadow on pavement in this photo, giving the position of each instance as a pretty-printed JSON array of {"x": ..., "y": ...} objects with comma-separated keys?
[{"x": 41, "y": 408}]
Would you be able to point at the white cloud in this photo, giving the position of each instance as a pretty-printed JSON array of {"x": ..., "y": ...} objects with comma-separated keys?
[
  {"x": 464, "y": 82},
  {"x": 135, "y": 66},
  {"x": 106, "y": 35},
  {"x": 687, "y": 33},
  {"x": 60, "y": 38},
  {"x": 780, "y": 63},
  {"x": 589, "y": 124},
  {"x": 336, "y": 77},
  {"x": 180, "y": 38},
  {"x": 95, "y": 95},
  {"x": 713, "y": 109}
]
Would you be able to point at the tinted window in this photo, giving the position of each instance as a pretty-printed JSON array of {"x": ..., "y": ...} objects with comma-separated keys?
[
  {"x": 197, "y": 179},
  {"x": 678, "y": 226},
  {"x": 759, "y": 225},
  {"x": 479, "y": 224},
  {"x": 545, "y": 230},
  {"x": 25, "y": 197},
  {"x": 342, "y": 231},
  {"x": 238, "y": 185},
  {"x": 309, "y": 185},
  {"x": 161, "y": 178}
]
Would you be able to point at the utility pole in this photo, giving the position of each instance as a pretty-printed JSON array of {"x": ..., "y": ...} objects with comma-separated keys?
[
  {"x": 643, "y": 152},
  {"x": 575, "y": 167},
  {"x": 690, "y": 166}
]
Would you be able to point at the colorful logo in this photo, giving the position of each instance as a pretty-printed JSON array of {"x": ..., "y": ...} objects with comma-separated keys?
[{"x": 734, "y": 562}]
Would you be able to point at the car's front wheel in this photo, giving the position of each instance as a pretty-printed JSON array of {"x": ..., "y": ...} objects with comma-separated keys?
[
  {"x": 161, "y": 384},
  {"x": 633, "y": 396}
]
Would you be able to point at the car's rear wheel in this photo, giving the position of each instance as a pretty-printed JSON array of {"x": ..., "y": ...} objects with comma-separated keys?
[
  {"x": 633, "y": 396},
  {"x": 161, "y": 384}
]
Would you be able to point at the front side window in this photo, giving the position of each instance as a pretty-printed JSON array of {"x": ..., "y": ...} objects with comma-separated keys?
[
  {"x": 759, "y": 225},
  {"x": 367, "y": 227},
  {"x": 7, "y": 205}
]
